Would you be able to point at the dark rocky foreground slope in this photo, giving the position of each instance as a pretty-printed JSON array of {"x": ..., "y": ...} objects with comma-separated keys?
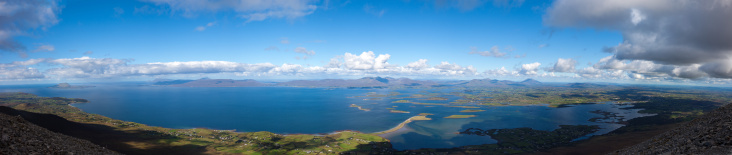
[
  {"x": 708, "y": 134},
  {"x": 22, "y": 137}
]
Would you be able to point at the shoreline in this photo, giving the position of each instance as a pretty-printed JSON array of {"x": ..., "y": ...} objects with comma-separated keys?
[{"x": 403, "y": 124}]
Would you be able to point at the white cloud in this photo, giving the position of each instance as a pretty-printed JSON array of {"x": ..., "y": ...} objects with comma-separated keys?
[
  {"x": 419, "y": 64},
  {"x": 365, "y": 64},
  {"x": 365, "y": 61},
  {"x": 285, "y": 41},
  {"x": 494, "y": 52},
  {"x": 334, "y": 62},
  {"x": 636, "y": 16},
  {"x": 287, "y": 69},
  {"x": 498, "y": 72},
  {"x": 20, "y": 70},
  {"x": 86, "y": 67},
  {"x": 251, "y": 10},
  {"x": 29, "y": 62},
  {"x": 564, "y": 65},
  {"x": 447, "y": 66},
  {"x": 529, "y": 69},
  {"x": 20, "y": 73}
]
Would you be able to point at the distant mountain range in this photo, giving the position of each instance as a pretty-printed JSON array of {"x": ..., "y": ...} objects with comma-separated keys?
[
  {"x": 210, "y": 83},
  {"x": 366, "y": 82},
  {"x": 498, "y": 83}
]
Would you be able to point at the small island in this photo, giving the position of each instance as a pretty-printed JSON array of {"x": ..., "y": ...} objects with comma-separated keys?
[
  {"x": 436, "y": 98},
  {"x": 399, "y": 111},
  {"x": 463, "y": 106},
  {"x": 460, "y": 116},
  {"x": 360, "y": 108},
  {"x": 68, "y": 86},
  {"x": 470, "y": 110}
]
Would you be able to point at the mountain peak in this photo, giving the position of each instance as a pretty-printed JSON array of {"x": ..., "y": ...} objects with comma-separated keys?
[{"x": 530, "y": 81}]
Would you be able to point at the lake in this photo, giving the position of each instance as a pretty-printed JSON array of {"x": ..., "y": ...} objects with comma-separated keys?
[{"x": 291, "y": 110}]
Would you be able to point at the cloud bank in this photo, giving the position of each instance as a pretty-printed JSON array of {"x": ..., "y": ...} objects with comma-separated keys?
[
  {"x": 679, "y": 39},
  {"x": 348, "y": 64}
]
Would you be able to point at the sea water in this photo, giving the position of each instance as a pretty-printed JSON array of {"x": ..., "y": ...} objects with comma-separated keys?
[{"x": 290, "y": 110}]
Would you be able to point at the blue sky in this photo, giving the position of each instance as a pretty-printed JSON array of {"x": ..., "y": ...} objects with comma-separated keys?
[{"x": 564, "y": 40}]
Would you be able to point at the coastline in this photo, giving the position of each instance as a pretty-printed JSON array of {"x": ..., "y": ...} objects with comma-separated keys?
[{"x": 403, "y": 124}]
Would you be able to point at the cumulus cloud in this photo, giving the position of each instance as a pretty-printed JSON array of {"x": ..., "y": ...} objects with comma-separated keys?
[
  {"x": 17, "y": 17},
  {"x": 251, "y": 10},
  {"x": 497, "y": 72},
  {"x": 20, "y": 73},
  {"x": 419, "y": 64},
  {"x": 564, "y": 65},
  {"x": 365, "y": 61},
  {"x": 529, "y": 69},
  {"x": 682, "y": 38},
  {"x": 494, "y": 52},
  {"x": 595, "y": 73},
  {"x": 20, "y": 70}
]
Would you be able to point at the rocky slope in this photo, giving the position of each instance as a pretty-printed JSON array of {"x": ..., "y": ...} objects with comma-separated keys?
[
  {"x": 707, "y": 134},
  {"x": 22, "y": 137}
]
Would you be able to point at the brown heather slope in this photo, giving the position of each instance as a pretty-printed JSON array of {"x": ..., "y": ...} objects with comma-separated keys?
[{"x": 18, "y": 136}]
